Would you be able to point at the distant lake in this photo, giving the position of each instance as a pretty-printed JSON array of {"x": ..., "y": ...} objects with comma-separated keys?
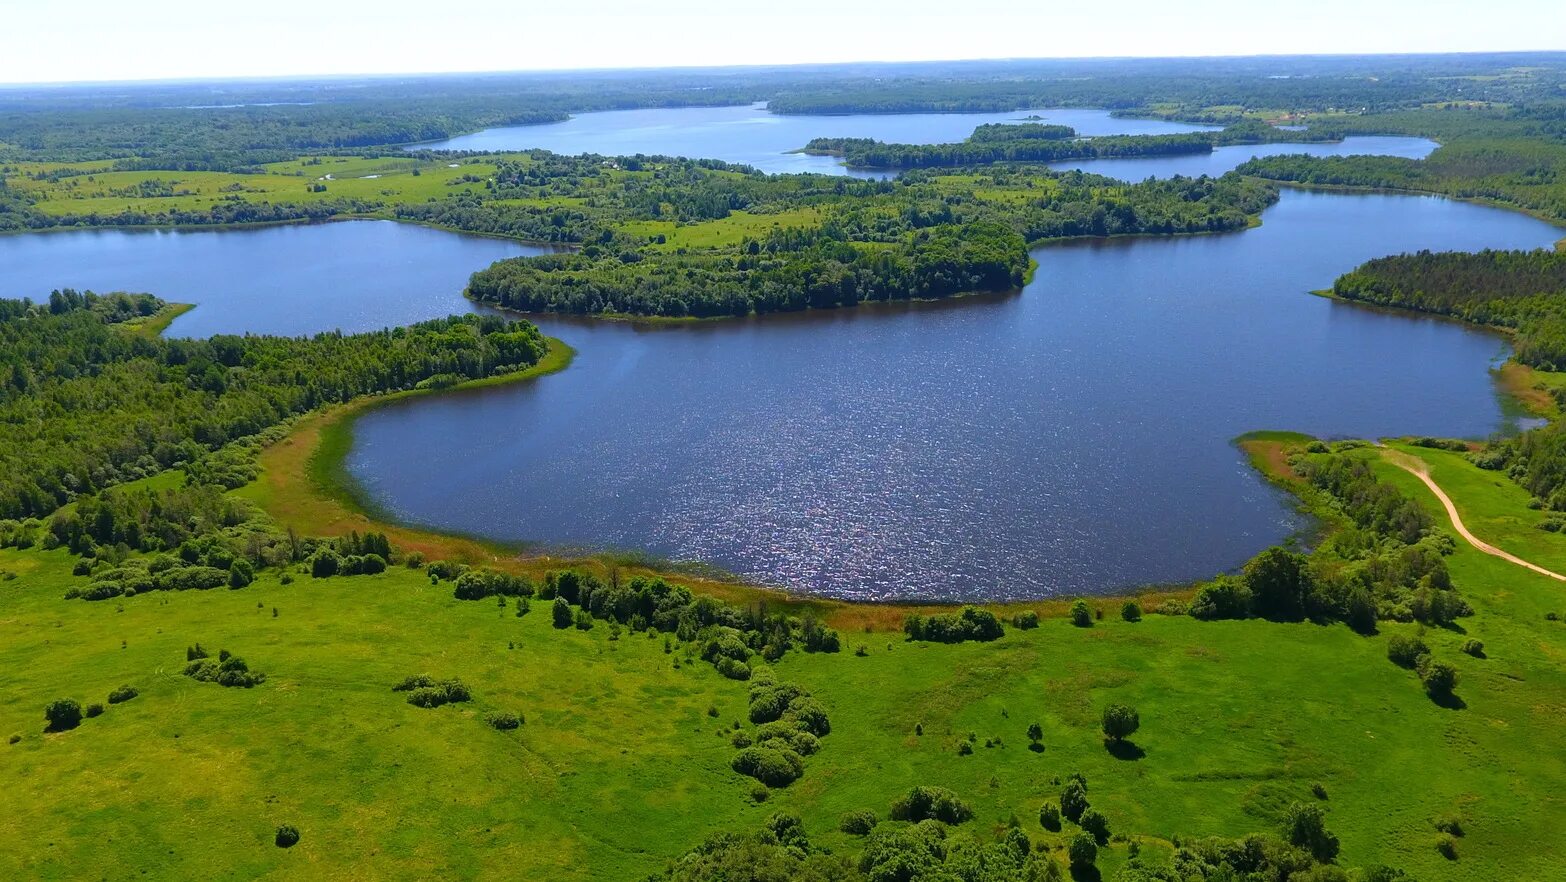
[
  {"x": 296, "y": 279},
  {"x": 1226, "y": 159},
  {"x": 752, "y": 136},
  {"x": 1073, "y": 438}
]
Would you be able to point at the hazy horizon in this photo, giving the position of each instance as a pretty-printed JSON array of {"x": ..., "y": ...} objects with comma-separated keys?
[{"x": 186, "y": 40}]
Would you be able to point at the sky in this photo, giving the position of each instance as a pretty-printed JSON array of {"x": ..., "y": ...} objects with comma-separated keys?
[{"x": 177, "y": 39}]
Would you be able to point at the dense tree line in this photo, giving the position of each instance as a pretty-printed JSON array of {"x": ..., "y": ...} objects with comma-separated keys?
[
  {"x": 1031, "y": 142},
  {"x": 1521, "y": 290},
  {"x": 1522, "y": 172},
  {"x": 85, "y": 405},
  {"x": 937, "y": 263},
  {"x": 869, "y": 153}
]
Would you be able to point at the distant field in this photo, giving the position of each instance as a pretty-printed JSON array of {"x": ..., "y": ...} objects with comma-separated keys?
[{"x": 390, "y": 180}]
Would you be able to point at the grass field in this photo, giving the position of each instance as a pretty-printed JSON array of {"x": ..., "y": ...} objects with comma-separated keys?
[{"x": 619, "y": 767}]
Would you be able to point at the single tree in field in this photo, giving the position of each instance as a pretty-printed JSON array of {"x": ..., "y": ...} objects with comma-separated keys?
[
  {"x": 1120, "y": 721},
  {"x": 1035, "y": 735}
]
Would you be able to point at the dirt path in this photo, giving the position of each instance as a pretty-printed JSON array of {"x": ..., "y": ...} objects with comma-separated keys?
[{"x": 1418, "y": 469}]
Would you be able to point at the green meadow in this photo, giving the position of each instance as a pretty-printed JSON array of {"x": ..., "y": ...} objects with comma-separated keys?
[{"x": 620, "y": 764}]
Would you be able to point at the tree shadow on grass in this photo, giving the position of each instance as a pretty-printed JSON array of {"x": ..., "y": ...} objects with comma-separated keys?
[
  {"x": 1123, "y": 749},
  {"x": 1450, "y": 701},
  {"x": 1088, "y": 873}
]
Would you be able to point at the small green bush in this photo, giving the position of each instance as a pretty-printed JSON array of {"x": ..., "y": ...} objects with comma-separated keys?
[
  {"x": 1404, "y": 651},
  {"x": 122, "y": 694},
  {"x": 1025, "y": 621},
  {"x": 287, "y": 836},
  {"x": 1473, "y": 647},
  {"x": 1049, "y": 817},
  {"x": 1120, "y": 722},
  {"x": 1082, "y": 851},
  {"x": 858, "y": 823},
  {"x": 505, "y": 721},
  {"x": 94, "y": 710},
  {"x": 931, "y": 804},
  {"x": 63, "y": 714},
  {"x": 1081, "y": 615},
  {"x": 1094, "y": 822},
  {"x": 772, "y": 766}
]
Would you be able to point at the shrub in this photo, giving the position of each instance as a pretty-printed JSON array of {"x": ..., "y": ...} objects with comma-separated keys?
[
  {"x": 1025, "y": 621},
  {"x": 1318, "y": 790},
  {"x": 505, "y": 721},
  {"x": 1094, "y": 822},
  {"x": 559, "y": 611},
  {"x": 808, "y": 714},
  {"x": 1223, "y": 598},
  {"x": 1473, "y": 647},
  {"x": 418, "y": 681},
  {"x": 325, "y": 564},
  {"x": 102, "y": 591},
  {"x": 1131, "y": 611},
  {"x": 1035, "y": 735},
  {"x": 122, "y": 694},
  {"x": 1081, "y": 616},
  {"x": 1049, "y": 816},
  {"x": 968, "y": 623},
  {"x": 772, "y": 766},
  {"x": 1082, "y": 851},
  {"x": 287, "y": 836},
  {"x": 741, "y": 739},
  {"x": 225, "y": 670},
  {"x": 1450, "y": 825},
  {"x": 767, "y": 703},
  {"x": 733, "y": 669},
  {"x": 1279, "y": 582},
  {"x": 858, "y": 823},
  {"x": 1305, "y": 825},
  {"x": 1073, "y": 799},
  {"x": 931, "y": 804},
  {"x": 582, "y": 619},
  {"x": 1120, "y": 721},
  {"x": 1438, "y": 678},
  {"x": 760, "y": 793},
  {"x": 240, "y": 573},
  {"x": 192, "y": 578},
  {"x": 63, "y": 714},
  {"x": 1404, "y": 651},
  {"x": 94, "y": 710},
  {"x": 1447, "y": 846}
]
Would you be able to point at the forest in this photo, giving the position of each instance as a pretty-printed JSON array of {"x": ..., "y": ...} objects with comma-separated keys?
[
  {"x": 86, "y": 403},
  {"x": 1524, "y": 291},
  {"x": 1033, "y": 143}
]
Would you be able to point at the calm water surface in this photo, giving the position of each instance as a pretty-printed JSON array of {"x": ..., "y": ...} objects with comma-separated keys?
[
  {"x": 1072, "y": 438},
  {"x": 297, "y": 279},
  {"x": 752, "y": 136},
  {"x": 1226, "y": 159}
]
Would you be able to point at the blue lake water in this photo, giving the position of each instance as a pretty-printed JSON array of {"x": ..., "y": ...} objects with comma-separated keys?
[
  {"x": 751, "y": 136},
  {"x": 1075, "y": 437},
  {"x": 295, "y": 279},
  {"x": 1071, "y": 438},
  {"x": 1226, "y": 159}
]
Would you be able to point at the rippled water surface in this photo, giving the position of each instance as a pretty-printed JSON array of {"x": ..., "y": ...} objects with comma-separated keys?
[{"x": 1075, "y": 437}]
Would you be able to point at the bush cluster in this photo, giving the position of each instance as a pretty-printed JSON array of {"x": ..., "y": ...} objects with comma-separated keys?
[
  {"x": 968, "y": 623},
  {"x": 425, "y": 691},
  {"x": 225, "y": 670}
]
